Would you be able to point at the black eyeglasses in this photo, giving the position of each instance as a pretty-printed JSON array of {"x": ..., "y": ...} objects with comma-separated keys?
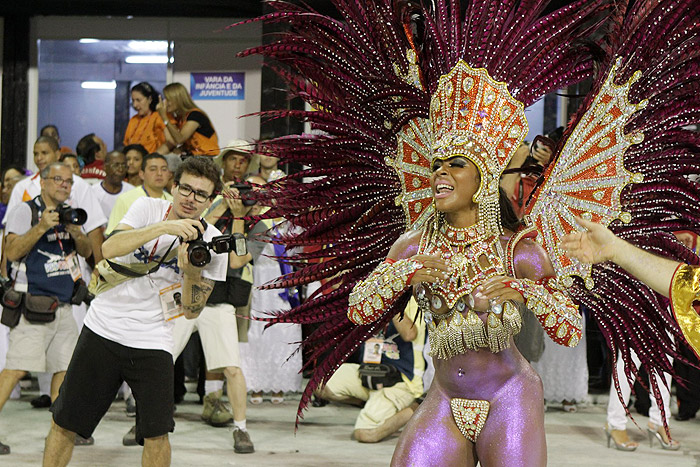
[
  {"x": 199, "y": 196},
  {"x": 60, "y": 181}
]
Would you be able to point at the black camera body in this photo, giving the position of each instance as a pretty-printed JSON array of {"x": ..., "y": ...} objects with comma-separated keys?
[
  {"x": 243, "y": 190},
  {"x": 69, "y": 215},
  {"x": 199, "y": 250}
]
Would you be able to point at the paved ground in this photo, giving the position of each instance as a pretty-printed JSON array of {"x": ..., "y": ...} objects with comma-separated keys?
[{"x": 323, "y": 439}]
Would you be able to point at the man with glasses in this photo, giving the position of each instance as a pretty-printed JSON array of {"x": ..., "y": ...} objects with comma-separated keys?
[
  {"x": 127, "y": 334},
  {"x": 113, "y": 185},
  {"x": 155, "y": 175},
  {"x": 46, "y": 151},
  {"x": 43, "y": 251}
]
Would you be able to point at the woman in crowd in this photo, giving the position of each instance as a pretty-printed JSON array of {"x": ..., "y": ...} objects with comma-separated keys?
[
  {"x": 186, "y": 127},
  {"x": 146, "y": 128},
  {"x": 10, "y": 176},
  {"x": 270, "y": 362},
  {"x": 134, "y": 159}
]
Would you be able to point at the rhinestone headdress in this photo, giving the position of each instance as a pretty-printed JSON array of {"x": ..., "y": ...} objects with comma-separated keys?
[{"x": 471, "y": 115}]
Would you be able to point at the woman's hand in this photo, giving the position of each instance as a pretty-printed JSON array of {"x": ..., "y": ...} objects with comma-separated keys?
[
  {"x": 497, "y": 290},
  {"x": 162, "y": 108},
  {"x": 434, "y": 269}
]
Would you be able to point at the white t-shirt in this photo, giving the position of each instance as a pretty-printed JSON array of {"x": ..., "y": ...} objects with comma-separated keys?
[
  {"x": 130, "y": 313},
  {"x": 107, "y": 199},
  {"x": 80, "y": 197}
]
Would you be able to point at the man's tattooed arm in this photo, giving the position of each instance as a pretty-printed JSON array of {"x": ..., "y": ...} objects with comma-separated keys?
[{"x": 195, "y": 295}]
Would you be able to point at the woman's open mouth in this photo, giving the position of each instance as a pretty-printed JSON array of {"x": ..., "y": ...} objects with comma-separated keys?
[{"x": 443, "y": 190}]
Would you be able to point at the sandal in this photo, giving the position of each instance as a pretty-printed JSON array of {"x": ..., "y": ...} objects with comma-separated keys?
[
  {"x": 277, "y": 398},
  {"x": 569, "y": 406},
  {"x": 256, "y": 398}
]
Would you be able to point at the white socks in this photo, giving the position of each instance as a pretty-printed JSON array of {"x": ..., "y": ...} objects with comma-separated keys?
[
  {"x": 240, "y": 425},
  {"x": 213, "y": 386}
]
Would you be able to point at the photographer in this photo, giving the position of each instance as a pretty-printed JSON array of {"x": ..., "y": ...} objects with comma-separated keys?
[
  {"x": 127, "y": 334},
  {"x": 218, "y": 329},
  {"x": 388, "y": 405},
  {"x": 44, "y": 248}
]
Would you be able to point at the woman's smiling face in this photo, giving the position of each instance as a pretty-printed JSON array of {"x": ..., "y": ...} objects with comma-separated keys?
[{"x": 454, "y": 182}]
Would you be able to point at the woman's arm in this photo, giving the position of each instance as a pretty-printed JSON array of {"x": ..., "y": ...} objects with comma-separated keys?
[
  {"x": 388, "y": 282},
  {"x": 179, "y": 136}
]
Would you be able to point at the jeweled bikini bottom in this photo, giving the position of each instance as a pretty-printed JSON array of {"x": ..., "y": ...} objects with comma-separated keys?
[{"x": 470, "y": 416}]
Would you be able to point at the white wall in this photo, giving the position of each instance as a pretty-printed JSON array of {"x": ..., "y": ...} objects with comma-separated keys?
[
  {"x": 535, "y": 119},
  {"x": 200, "y": 45}
]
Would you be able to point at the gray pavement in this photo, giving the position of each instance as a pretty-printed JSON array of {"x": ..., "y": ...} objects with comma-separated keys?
[{"x": 323, "y": 438}]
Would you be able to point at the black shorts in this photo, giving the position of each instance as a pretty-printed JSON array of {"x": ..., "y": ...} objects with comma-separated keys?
[{"x": 95, "y": 373}]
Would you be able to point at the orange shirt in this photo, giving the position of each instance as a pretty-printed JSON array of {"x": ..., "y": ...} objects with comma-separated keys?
[
  {"x": 199, "y": 144},
  {"x": 147, "y": 131}
]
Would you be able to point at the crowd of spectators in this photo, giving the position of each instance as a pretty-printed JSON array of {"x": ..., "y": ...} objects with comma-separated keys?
[{"x": 137, "y": 200}]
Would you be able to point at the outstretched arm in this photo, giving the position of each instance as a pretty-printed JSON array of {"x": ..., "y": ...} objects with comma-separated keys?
[{"x": 598, "y": 244}]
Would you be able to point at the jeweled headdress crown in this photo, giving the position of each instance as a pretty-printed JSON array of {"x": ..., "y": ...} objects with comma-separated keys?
[{"x": 471, "y": 115}]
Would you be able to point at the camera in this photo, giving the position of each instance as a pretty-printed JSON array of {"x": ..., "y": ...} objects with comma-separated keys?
[
  {"x": 81, "y": 294},
  {"x": 198, "y": 250},
  {"x": 5, "y": 284},
  {"x": 69, "y": 215},
  {"x": 243, "y": 189}
]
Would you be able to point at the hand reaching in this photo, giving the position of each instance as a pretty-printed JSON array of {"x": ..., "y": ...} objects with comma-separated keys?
[{"x": 595, "y": 245}]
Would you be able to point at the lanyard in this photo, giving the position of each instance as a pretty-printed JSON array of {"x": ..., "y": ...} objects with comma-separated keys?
[{"x": 153, "y": 251}]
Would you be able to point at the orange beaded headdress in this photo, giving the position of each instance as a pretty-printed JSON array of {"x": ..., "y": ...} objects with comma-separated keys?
[{"x": 471, "y": 115}]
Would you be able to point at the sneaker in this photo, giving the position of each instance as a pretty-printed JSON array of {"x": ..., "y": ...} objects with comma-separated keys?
[
  {"x": 80, "y": 441},
  {"x": 131, "y": 406},
  {"x": 241, "y": 442},
  {"x": 221, "y": 415},
  {"x": 129, "y": 439},
  {"x": 215, "y": 412},
  {"x": 4, "y": 449},
  {"x": 41, "y": 402}
]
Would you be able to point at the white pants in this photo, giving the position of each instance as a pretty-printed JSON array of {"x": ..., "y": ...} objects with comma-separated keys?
[
  {"x": 44, "y": 379},
  {"x": 617, "y": 417}
]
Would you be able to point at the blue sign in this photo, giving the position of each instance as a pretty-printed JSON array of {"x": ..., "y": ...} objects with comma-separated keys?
[{"x": 217, "y": 86}]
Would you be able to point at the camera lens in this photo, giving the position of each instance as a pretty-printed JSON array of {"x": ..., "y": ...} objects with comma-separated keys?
[{"x": 198, "y": 254}]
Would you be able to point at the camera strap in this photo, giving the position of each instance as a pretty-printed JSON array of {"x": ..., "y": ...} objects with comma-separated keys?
[{"x": 126, "y": 271}]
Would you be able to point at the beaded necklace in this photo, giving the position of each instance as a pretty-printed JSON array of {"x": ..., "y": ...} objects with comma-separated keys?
[{"x": 473, "y": 254}]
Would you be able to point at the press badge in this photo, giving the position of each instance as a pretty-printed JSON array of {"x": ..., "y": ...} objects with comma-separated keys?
[
  {"x": 373, "y": 350},
  {"x": 73, "y": 266},
  {"x": 391, "y": 350},
  {"x": 171, "y": 301}
]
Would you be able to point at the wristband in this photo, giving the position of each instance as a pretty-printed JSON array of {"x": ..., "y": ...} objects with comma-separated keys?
[
  {"x": 554, "y": 309},
  {"x": 376, "y": 293}
]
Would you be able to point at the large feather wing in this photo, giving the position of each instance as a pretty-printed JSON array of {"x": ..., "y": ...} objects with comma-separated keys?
[{"x": 651, "y": 65}]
